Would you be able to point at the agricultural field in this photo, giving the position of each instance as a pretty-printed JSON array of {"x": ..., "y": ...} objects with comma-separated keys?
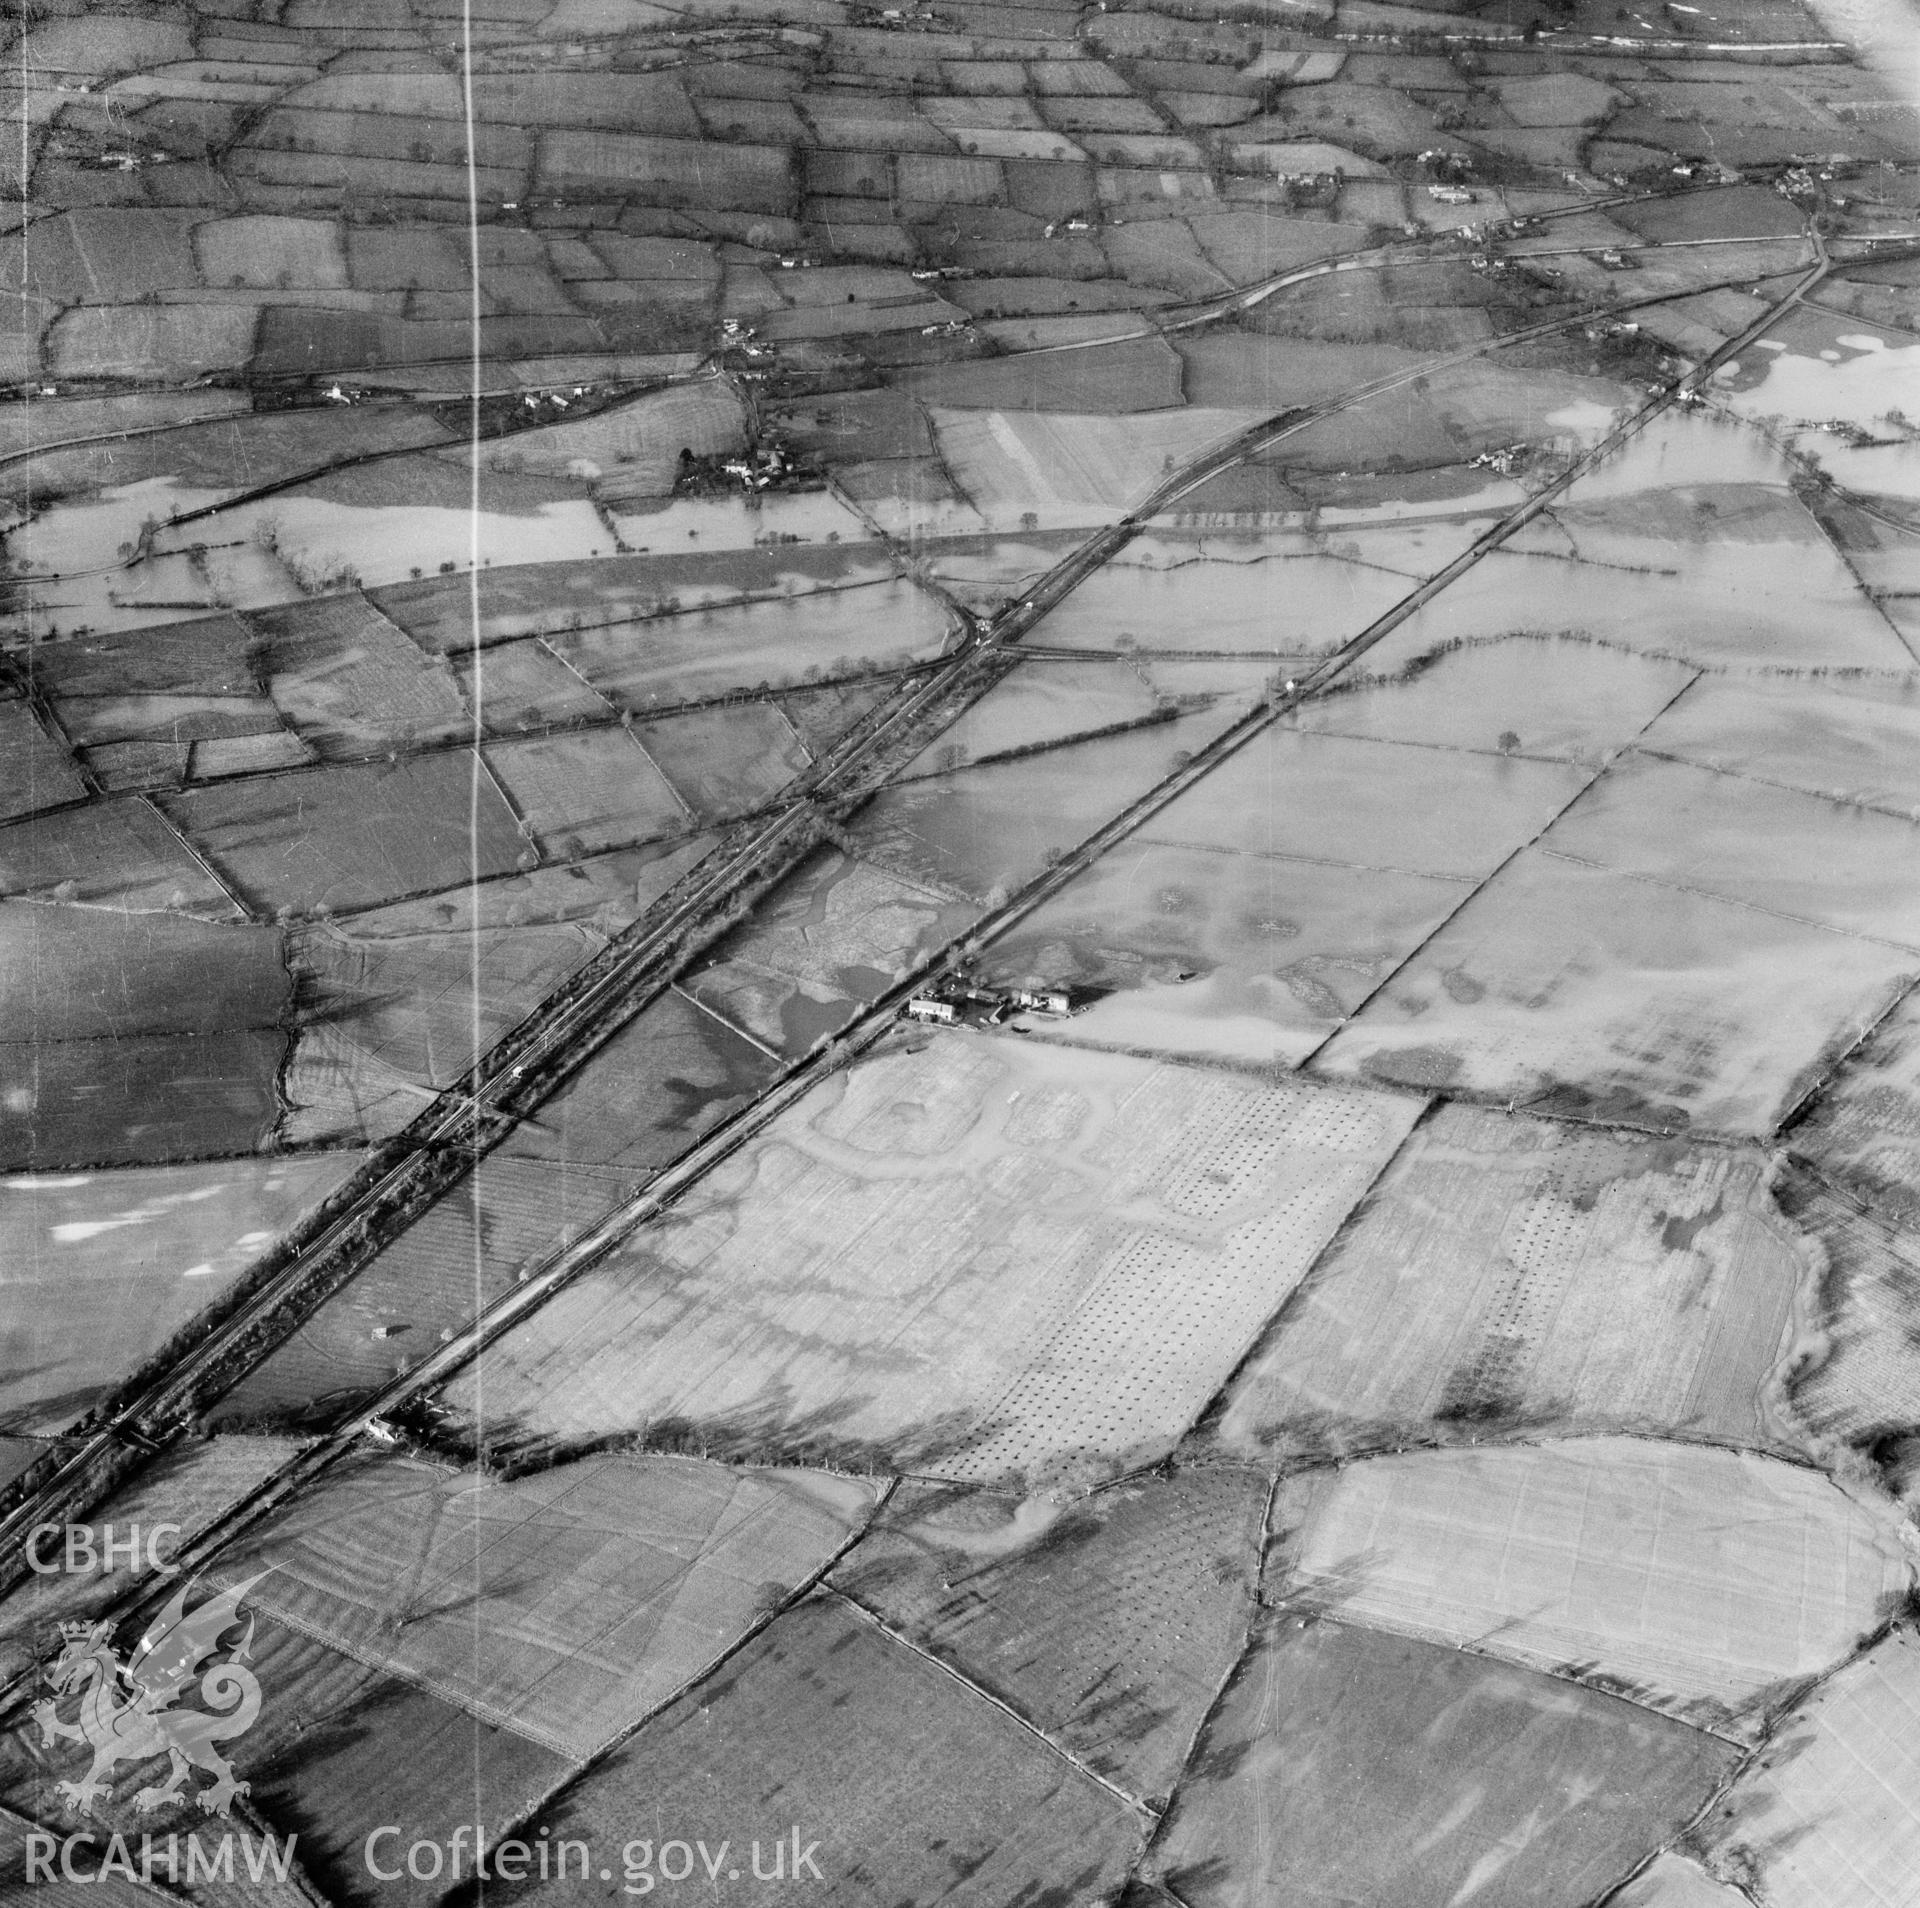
[
  {"x": 1505, "y": 1275},
  {"x": 441, "y": 613},
  {"x": 1701, "y": 1583},
  {"x": 1195, "y": 950},
  {"x": 1215, "y": 595},
  {"x": 993, "y": 1809},
  {"x": 117, "y": 853},
  {"x": 1222, "y": 928},
  {"x": 1858, "y": 1386},
  {"x": 188, "y": 1488},
  {"x": 135, "y": 1036},
  {"x": 976, "y": 832},
  {"x": 722, "y": 762},
  {"x": 354, "y": 836},
  {"x": 1720, "y": 605},
  {"x": 1572, "y": 986},
  {"x": 506, "y": 1216},
  {"x": 1063, "y": 470},
  {"x": 104, "y": 1267},
  {"x": 394, "y": 997},
  {"x": 308, "y": 1766},
  {"x": 38, "y": 773},
  {"x": 1041, "y": 704},
  {"x": 588, "y": 790},
  {"x": 1479, "y": 1776},
  {"x": 674, "y": 1071},
  {"x": 972, "y": 946},
  {"x": 1863, "y": 1128},
  {"x": 1072, "y": 1309},
  {"x": 697, "y": 654},
  {"x": 658, "y": 1566},
  {"x": 1826, "y": 1818},
  {"x": 1553, "y": 697},
  {"x": 411, "y": 1008},
  {"x": 1109, "y": 1624},
  {"x": 833, "y": 937}
]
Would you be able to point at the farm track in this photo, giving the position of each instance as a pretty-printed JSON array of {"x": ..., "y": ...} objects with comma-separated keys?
[{"x": 529, "y": 1064}]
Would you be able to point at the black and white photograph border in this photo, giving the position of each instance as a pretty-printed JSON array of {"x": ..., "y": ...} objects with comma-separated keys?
[{"x": 961, "y": 954}]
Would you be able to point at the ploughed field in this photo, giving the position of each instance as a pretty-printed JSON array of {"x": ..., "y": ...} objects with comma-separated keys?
[{"x": 978, "y": 941}]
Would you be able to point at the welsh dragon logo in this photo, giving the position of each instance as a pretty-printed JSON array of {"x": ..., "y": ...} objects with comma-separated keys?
[{"x": 138, "y": 1727}]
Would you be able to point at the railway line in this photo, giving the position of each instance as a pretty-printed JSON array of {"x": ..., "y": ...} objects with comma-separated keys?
[{"x": 529, "y": 1062}]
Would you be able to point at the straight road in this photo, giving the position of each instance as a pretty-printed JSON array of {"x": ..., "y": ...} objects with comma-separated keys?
[{"x": 529, "y": 1063}]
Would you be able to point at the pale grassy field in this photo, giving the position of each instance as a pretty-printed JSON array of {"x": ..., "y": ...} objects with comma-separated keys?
[
  {"x": 99, "y": 1269},
  {"x": 1068, "y": 470},
  {"x": 1696, "y": 1580},
  {"x": 1832, "y": 1820},
  {"x": 364, "y": 1066},
  {"x": 370, "y": 684},
  {"x": 1852, "y": 742},
  {"x": 984, "y": 831},
  {"x": 1545, "y": 697},
  {"x": 736, "y": 522},
  {"x": 563, "y": 1606},
  {"x": 1298, "y": 604},
  {"x": 525, "y": 683},
  {"x": 982, "y": 1259},
  {"x": 839, "y": 930},
  {"x": 1791, "y": 605},
  {"x": 1653, "y": 1003},
  {"x": 1511, "y": 1273},
  {"x": 1790, "y": 855},
  {"x": 1277, "y": 950},
  {"x": 632, "y": 449},
  {"x": 1370, "y": 804},
  {"x": 1672, "y": 1881}
]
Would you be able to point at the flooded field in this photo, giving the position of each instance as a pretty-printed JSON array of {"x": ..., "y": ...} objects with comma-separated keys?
[
  {"x": 968, "y": 953},
  {"x": 1791, "y": 605},
  {"x": 1574, "y": 986},
  {"x": 1201, "y": 950},
  {"x": 706, "y": 652},
  {"x": 1170, "y": 598}
]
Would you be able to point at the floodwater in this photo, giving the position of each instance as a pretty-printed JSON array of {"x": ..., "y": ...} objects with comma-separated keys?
[
  {"x": 674, "y": 527},
  {"x": 1861, "y": 382},
  {"x": 78, "y": 571},
  {"x": 1886, "y": 32}
]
